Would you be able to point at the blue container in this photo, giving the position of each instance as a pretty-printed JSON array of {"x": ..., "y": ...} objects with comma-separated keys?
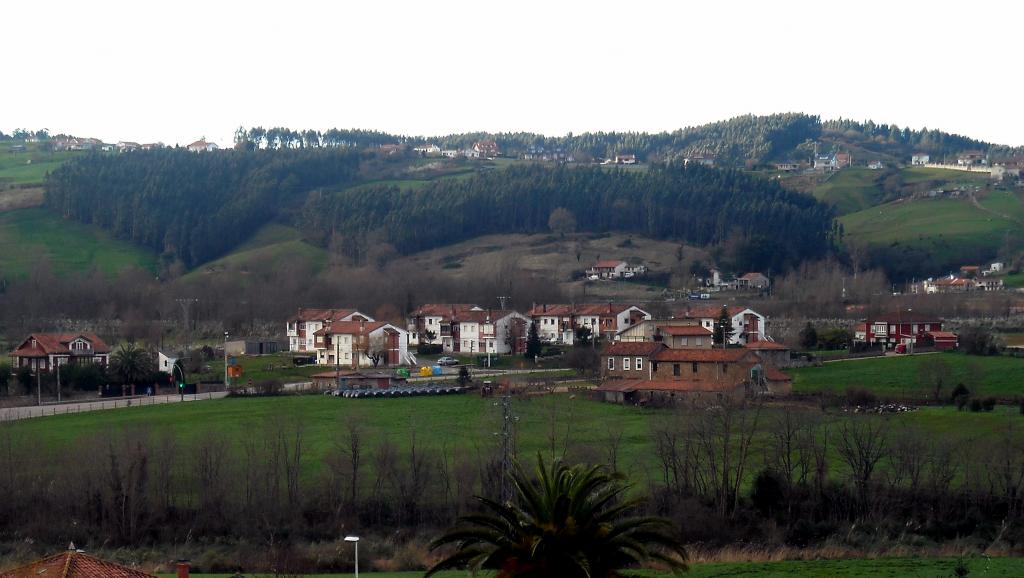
[{"x": 436, "y": 370}]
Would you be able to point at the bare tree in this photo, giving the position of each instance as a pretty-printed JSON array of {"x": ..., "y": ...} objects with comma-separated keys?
[{"x": 862, "y": 443}]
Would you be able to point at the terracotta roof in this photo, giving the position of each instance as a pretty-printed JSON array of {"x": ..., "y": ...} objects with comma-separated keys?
[
  {"x": 942, "y": 334},
  {"x": 753, "y": 276},
  {"x": 446, "y": 310},
  {"x": 601, "y": 308},
  {"x": 553, "y": 310},
  {"x": 708, "y": 311},
  {"x": 48, "y": 343},
  {"x": 314, "y": 314},
  {"x": 765, "y": 345},
  {"x": 904, "y": 317},
  {"x": 772, "y": 373},
  {"x": 633, "y": 348},
  {"x": 685, "y": 330},
  {"x": 483, "y": 316},
  {"x": 73, "y": 564},
  {"x": 703, "y": 355},
  {"x": 608, "y": 263},
  {"x": 353, "y": 327}
]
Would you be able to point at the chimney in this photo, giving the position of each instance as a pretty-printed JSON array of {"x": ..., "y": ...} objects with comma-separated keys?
[
  {"x": 544, "y": 308},
  {"x": 183, "y": 569}
]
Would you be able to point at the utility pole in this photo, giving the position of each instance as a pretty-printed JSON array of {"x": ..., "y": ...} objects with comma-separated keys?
[
  {"x": 508, "y": 444},
  {"x": 58, "y": 382},
  {"x": 39, "y": 386},
  {"x": 225, "y": 361},
  {"x": 186, "y": 303}
]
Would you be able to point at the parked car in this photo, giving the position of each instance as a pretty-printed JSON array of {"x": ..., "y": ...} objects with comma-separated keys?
[{"x": 447, "y": 360}]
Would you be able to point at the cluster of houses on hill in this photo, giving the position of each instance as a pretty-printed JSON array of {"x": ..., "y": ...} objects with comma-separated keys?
[
  {"x": 753, "y": 280},
  {"x": 614, "y": 269},
  {"x": 970, "y": 278},
  {"x": 484, "y": 149},
  {"x": 73, "y": 143}
]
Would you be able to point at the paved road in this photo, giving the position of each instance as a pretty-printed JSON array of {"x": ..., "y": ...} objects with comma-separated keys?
[{"x": 16, "y": 413}]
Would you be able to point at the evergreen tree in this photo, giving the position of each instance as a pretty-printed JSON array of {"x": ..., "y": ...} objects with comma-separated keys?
[
  {"x": 533, "y": 342},
  {"x": 808, "y": 336},
  {"x": 723, "y": 327}
]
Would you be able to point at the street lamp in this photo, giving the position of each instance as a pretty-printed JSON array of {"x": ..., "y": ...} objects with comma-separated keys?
[
  {"x": 181, "y": 386},
  {"x": 355, "y": 540},
  {"x": 225, "y": 361}
]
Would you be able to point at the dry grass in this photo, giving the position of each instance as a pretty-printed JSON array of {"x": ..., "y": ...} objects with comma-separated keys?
[{"x": 20, "y": 198}]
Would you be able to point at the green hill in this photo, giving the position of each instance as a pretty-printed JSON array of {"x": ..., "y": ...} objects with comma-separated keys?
[
  {"x": 28, "y": 235},
  {"x": 270, "y": 247},
  {"x": 850, "y": 190},
  {"x": 29, "y": 167}
]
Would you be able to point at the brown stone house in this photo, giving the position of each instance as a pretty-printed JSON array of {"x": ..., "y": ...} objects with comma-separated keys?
[{"x": 650, "y": 372}]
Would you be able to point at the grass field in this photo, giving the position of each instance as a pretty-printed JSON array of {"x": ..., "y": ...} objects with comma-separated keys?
[
  {"x": 850, "y": 190},
  {"x": 29, "y": 167},
  {"x": 26, "y": 235},
  {"x": 914, "y": 175},
  {"x": 901, "y": 376},
  {"x": 269, "y": 248},
  {"x": 862, "y": 568},
  {"x": 1014, "y": 280}
]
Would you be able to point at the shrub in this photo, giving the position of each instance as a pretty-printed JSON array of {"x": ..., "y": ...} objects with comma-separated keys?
[
  {"x": 975, "y": 405},
  {"x": 429, "y": 349},
  {"x": 961, "y": 401},
  {"x": 860, "y": 396},
  {"x": 988, "y": 404},
  {"x": 959, "y": 391},
  {"x": 1022, "y": 406}
]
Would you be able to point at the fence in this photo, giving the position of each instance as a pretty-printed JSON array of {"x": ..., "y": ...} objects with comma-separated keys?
[{"x": 18, "y": 413}]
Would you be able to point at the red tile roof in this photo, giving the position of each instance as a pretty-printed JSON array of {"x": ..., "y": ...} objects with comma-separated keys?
[
  {"x": 50, "y": 343},
  {"x": 551, "y": 309},
  {"x": 564, "y": 310},
  {"x": 608, "y": 263},
  {"x": 708, "y": 311},
  {"x": 704, "y": 355},
  {"x": 904, "y": 317},
  {"x": 754, "y": 276},
  {"x": 353, "y": 327},
  {"x": 633, "y": 348},
  {"x": 942, "y": 335},
  {"x": 322, "y": 314},
  {"x": 446, "y": 310},
  {"x": 772, "y": 373},
  {"x": 765, "y": 345},
  {"x": 685, "y": 330},
  {"x": 73, "y": 564}
]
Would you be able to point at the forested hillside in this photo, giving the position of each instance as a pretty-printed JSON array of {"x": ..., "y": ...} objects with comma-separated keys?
[
  {"x": 734, "y": 142},
  {"x": 192, "y": 207},
  {"x": 770, "y": 226},
  {"x": 196, "y": 207}
]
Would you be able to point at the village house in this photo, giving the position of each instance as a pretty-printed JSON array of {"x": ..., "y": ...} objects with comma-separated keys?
[
  {"x": 428, "y": 149},
  {"x": 701, "y": 160},
  {"x": 615, "y": 269},
  {"x": 559, "y": 322},
  {"x": 876, "y": 165},
  {"x": 128, "y": 146},
  {"x": 468, "y": 328},
  {"x": 435, "y": 323},
  {"x": 202, "y": 146},
  {"x": 753, "y": 280},
  {"x": 165, "y": 362},
  {"x": 624, "y": 159},
  {"x": 994, "y": 268},
  {"x": 487, "y": 149},
  {"x": 357, "y": 343},
  {"x": 301, "y": 328},
  {"x": 47, "y": 351},
  {"x": 903, "y": 328},
  {"x": 950, "y": 284},
  {"x": 647, "y": 372},
  {"x": 748, "y": 325},
  {"x": 450, "y": 153},
  {"x": 919, "y": 159},
  {"x": 787, "y": 166},
  {"x": 972, "y": 158},
  {"x": 674, "y": 333}
]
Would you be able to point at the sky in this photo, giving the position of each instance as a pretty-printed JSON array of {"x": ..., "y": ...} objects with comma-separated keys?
[{"x": 174, "y": 72}]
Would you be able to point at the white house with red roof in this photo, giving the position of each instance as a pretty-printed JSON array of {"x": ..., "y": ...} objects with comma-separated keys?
[
  {"x": 487, "y": 149},
  {"x": 302, "y": 327},
  {"x": 202, "y": 146},
  {"x": 615, "y": 269},
  {"x": 753, "y": 280},
  {"x": 357, "y": 343},
  {"x": 46, "y": 351},
  {"x": 559, "y": 322},
  {"x": 748, "y": 325}
]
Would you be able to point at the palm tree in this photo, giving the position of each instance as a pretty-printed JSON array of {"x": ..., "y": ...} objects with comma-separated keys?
[
  {"x": 131, "y": 363},
  {"x": 572, "y": 522}
]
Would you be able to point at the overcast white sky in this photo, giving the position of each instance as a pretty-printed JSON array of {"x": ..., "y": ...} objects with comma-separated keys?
[{"x": 176, "y": 71}]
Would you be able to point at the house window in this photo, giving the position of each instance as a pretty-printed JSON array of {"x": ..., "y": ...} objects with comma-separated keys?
[
  {"x": 725, "y": 368},
  {"x": 700, "y": 341},
  {"x": 694, "y": 367},
  {"x": 675, "y": 370},
  {"x": 625, "y": 364},
  {"x": 685, "y": 339},
  {"x": 611, "y": 364},
  {"x": 639, "y": 363},
  {"x": 927, "y": 327}
]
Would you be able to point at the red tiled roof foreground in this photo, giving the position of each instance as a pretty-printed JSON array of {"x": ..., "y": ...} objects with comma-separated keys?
[
  {"x": 73, "y": 564},
  {"x": 57, "y": 343}
]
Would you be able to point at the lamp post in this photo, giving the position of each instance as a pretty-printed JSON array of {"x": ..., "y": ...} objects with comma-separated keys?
[
  {"x": 225, "y": 361},
  {"x": 355, "y": 540},
  {"x": 181, "y": 386}
]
